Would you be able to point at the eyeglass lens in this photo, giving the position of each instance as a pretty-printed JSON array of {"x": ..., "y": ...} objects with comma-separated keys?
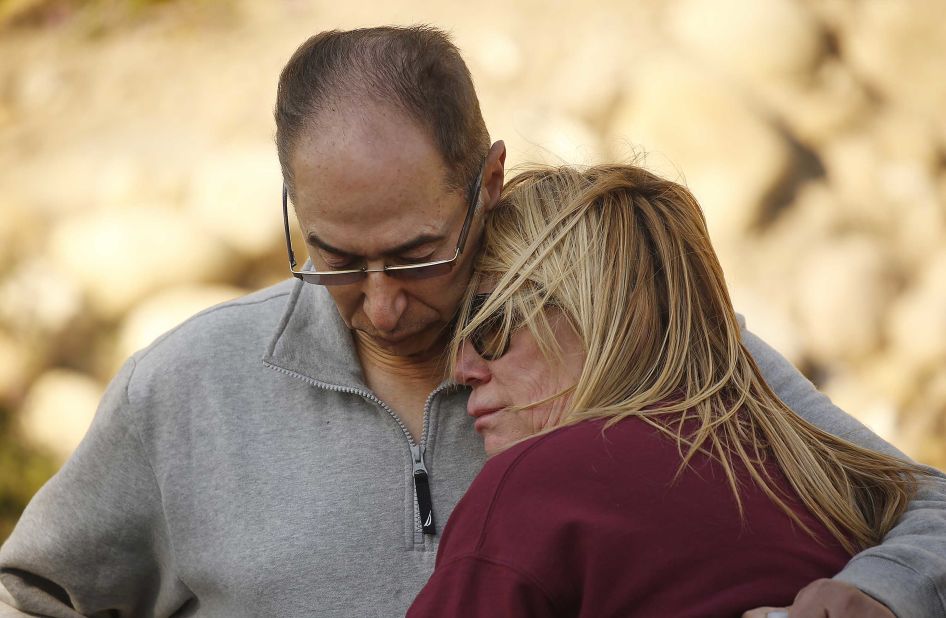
[{"x": 488, "y": 339}]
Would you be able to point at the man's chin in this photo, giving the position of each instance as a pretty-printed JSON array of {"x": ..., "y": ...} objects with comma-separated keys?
[{"x": 421, "y": 343}]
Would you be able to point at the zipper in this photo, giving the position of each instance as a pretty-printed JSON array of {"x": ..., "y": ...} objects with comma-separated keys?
[
  {"x": 424, "y": 516},
  {"x": 425, "y": 506}
]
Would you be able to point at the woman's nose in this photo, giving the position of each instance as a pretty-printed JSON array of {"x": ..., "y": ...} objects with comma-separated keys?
[{"x": 471, "y": 369}]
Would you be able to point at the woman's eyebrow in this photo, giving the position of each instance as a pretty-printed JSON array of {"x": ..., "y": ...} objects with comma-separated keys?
[{"x": 424, "y": 239}]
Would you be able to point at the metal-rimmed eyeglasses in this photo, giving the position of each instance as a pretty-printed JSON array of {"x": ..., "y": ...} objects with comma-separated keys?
[{"x": 423, "y": 270}]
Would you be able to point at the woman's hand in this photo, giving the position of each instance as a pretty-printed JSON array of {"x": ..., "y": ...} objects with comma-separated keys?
[{"x": 824, "y": 598}]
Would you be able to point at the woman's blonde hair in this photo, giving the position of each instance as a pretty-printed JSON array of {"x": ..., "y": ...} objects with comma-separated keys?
[{"x": 626, "y": 257}]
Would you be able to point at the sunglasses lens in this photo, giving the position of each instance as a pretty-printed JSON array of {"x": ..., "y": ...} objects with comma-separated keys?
[
  {"x": 487, "y": 339},
  {"x": 332, "y": 278},
  {"x": 421, "y": 272}
]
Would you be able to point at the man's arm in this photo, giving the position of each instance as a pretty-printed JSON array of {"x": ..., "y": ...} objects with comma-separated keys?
[
  {"x": 93, "y": 541},
  {"x": 907, "y": 573}
]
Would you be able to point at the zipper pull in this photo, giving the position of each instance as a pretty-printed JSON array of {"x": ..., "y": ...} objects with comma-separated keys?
[{"x": 422, "y": 489}]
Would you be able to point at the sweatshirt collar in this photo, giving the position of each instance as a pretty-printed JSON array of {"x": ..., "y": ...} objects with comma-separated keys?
[{"x": 313, "y": 341}]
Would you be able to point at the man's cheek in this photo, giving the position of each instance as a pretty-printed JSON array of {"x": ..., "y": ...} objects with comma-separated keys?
[{"x": 348, "y": 308}]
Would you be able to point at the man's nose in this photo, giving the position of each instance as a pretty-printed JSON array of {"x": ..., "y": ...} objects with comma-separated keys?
[
  {"x": 471, "y": 369},
  {"x": 385, "y": 301}
]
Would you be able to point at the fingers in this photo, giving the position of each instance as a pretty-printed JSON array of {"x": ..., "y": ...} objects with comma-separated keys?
[
  {"x": 827, "y": 597},
  {"x": 823, "y": 598}
]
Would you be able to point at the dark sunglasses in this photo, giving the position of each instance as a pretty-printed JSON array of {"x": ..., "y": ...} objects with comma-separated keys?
[{"x": 488, "y": 339}]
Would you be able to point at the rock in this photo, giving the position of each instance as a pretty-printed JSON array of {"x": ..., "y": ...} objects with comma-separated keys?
[
  {"x": 91, "y": 175},
  {"x": 39, "y": 302},
  {"x": 58, "y": 411},
  {"x": 882, "y": 167},
  {"x": 45, "y": 85},
  {"x": 729, "y": 156},
  {"x": 10, "y": 11},
  {"x": 761, "y": 274},
  {"x": 814, "y": 217},
  {"x": 865, "y": 403},
  {"x": 119, "y": 181},
  {"x": 494, "y": 54},
  {"x": 235, "y": 196},
  {"x": 917, "y": 324},
  {"x": 920, "y": 231},
  {"x": 13, "y": 369},
  {"x": 586, "y": 81},
  {"x": 769, "y": 319},
  {"x": 120, "y": 256},
  {"x": 814, "y": 110},
  {"x": 898, "y": 48},
  {"x": 842, "y": 291},
  {"x": 20, "y": 233},
  {"x": 886, "y": 375},
  {"x": 930, "y": 448},
  {"x": 540, "y": 135},
  {"x": 163, "y": 311},
  {"x": 756, "y": 41},
  {"x": 851, "y": 163},
  {"x": 926, "y": 422},
  {"x": 769, "y": 259},
  {"x": 902, "y": 137},
  {"x": 74, "y": 171},
  {"x": 6, "y": 114}
]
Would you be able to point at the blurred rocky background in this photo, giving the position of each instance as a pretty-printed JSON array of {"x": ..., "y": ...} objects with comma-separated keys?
[{"x": 139, "y": 182}]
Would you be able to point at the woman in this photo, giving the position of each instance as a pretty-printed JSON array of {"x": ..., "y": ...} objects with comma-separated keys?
[{"x": 642, "y": 466}]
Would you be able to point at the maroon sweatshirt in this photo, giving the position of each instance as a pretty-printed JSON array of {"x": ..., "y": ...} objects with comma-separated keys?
[{"x": 580, "y": 523}]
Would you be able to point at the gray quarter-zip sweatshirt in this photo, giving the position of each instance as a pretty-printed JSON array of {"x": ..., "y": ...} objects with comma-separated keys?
[{"x": 240, "y": 466}]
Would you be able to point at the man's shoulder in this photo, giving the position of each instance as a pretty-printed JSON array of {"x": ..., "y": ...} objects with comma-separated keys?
[
  {"x": 235, "y": 331},
  {"x": 245, "y": 318}
]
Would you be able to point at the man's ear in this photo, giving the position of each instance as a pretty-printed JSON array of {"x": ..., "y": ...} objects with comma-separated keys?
[{"x": 493, "y": 174}]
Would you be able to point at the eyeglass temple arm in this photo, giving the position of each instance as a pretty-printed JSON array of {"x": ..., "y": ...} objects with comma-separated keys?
[
  {"x": 285, "y": 218},
  {"x": 474, "y": 206}
]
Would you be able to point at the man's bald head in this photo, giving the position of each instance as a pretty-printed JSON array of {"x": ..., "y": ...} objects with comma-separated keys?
[{"x": 415, "y": 71}]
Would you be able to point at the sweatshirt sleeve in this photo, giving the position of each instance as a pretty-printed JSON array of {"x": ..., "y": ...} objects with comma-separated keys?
[
  {"x": 93, "y": 541},
  {"x": 474, "y": 586},
  {"x": 907, "y": 572}
]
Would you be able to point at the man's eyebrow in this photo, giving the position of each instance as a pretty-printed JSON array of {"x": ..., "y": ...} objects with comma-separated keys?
[{"x": 404, "y": 247}]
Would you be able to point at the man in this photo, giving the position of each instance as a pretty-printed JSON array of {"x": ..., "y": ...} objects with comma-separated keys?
[{"x": 296, "y": 451}]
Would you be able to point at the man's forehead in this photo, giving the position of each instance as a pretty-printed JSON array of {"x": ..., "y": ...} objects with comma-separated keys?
[
  {"x": 335, "y": 173},
  {"x": 373, "y": 137},
  {"x": 370, "y": 186},
  {"x": 404, "y": 205}
]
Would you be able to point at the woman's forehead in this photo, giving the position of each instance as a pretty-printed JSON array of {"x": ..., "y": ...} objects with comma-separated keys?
[{"x": 486, "y": 283}]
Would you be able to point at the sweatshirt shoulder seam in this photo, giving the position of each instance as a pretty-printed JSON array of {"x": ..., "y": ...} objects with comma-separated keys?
[
  {"x": 136, "y": 432},
  {"x": 238, "y": 303}
]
